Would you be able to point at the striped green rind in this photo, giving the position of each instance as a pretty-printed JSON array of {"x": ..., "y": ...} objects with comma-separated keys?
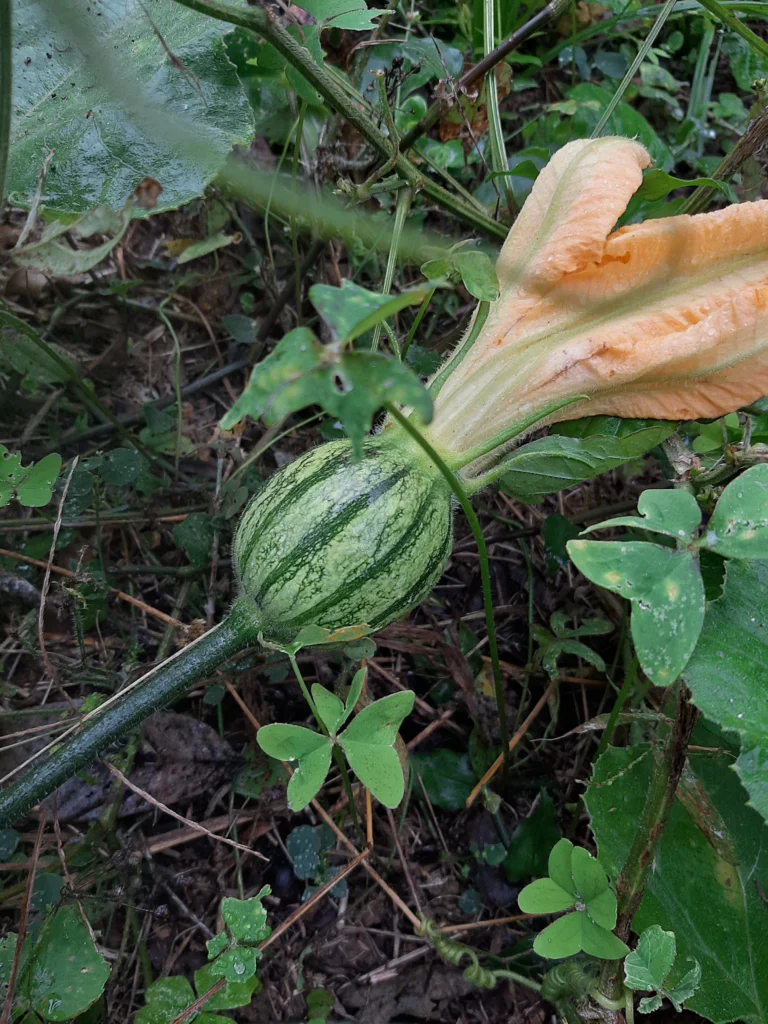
[{"x": 332, "y": 542}]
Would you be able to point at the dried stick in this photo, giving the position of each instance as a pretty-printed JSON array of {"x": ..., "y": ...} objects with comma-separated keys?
[
  {"x": 22, "y": 934},
  {"x": 180, "y": 817},
  {"x": 50, "y": 671},
  {"x": 512, "y": 743},
  {"x": 147, "y": 608}
]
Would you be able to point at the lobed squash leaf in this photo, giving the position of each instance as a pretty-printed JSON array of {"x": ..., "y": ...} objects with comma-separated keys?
[{"x": 350, "y": 386}]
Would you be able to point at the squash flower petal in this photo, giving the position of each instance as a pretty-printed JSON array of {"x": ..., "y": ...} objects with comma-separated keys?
[{"x": 666, "y": 319}]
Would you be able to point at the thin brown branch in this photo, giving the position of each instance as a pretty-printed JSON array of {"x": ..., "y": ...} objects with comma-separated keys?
[
  {"x": 512, "y": 743},
  {"x": 180, "y": 817},
  {"x": 50, "y": 671},
  {"x": 23, "y": 920},
  {"x": 478, "y": 71},
  {"x": 148, "y": 609}
]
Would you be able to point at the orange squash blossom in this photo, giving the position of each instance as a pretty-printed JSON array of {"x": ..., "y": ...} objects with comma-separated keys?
[{"x": 666, "y": 319}]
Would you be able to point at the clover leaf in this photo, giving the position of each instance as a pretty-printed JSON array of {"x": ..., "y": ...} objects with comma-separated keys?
[
  {"x": 577, "y": 880},
  {"x": 674, "y": 513},
  {"x": 368, "y": 744}
]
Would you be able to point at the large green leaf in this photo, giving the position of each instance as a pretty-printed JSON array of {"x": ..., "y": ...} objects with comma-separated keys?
[
  {"x": 555, "y": 462},
  {"x": 702, "y": 884},
  {"x": 667, "y": 595},
  {"x": 104, "y": 147},
  {"x": 728, "y": 671},
  {"x": 67, "y": 973}
]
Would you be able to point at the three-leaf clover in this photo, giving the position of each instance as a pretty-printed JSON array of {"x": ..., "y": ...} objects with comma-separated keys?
[
  {"x": 577, "y": 880},
  {"x": 367, "y": 742},
  {"x": 649, "y": 968}
]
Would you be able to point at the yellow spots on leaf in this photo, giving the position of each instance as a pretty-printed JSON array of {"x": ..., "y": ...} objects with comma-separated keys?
[
  {"x": 673, "y": 590},
  {"x": 612, "y": 579},
  {"x": 727, "y": 876}
]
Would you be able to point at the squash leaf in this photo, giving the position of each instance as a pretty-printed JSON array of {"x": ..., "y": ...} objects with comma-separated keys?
[
  {"x": 106, "y": 145},
  {"x": 350, "y": 386}
]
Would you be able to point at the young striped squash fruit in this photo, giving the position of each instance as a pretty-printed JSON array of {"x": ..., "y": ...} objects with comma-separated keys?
[{"x": 334, "y": 542}]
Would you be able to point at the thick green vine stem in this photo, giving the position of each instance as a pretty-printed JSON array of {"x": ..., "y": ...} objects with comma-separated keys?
[{"x": 120, "y": 714}]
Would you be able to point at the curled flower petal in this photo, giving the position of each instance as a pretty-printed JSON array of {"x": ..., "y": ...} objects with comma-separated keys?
[
  {"x": 574, "y": 204},
  {"x": 667, "y": 319}
]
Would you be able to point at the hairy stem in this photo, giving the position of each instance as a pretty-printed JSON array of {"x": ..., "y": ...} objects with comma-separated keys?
[
  {"x": 125, "y": 710},
  {"x": 658, "y": 803},
  {"x": 753, "y": 140},
  {"x": 509, "y": 434},
  {"x": 258, "y": 20},
  {"x": 485, "y": 573},
  {"x": 480, "y": 316}
]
